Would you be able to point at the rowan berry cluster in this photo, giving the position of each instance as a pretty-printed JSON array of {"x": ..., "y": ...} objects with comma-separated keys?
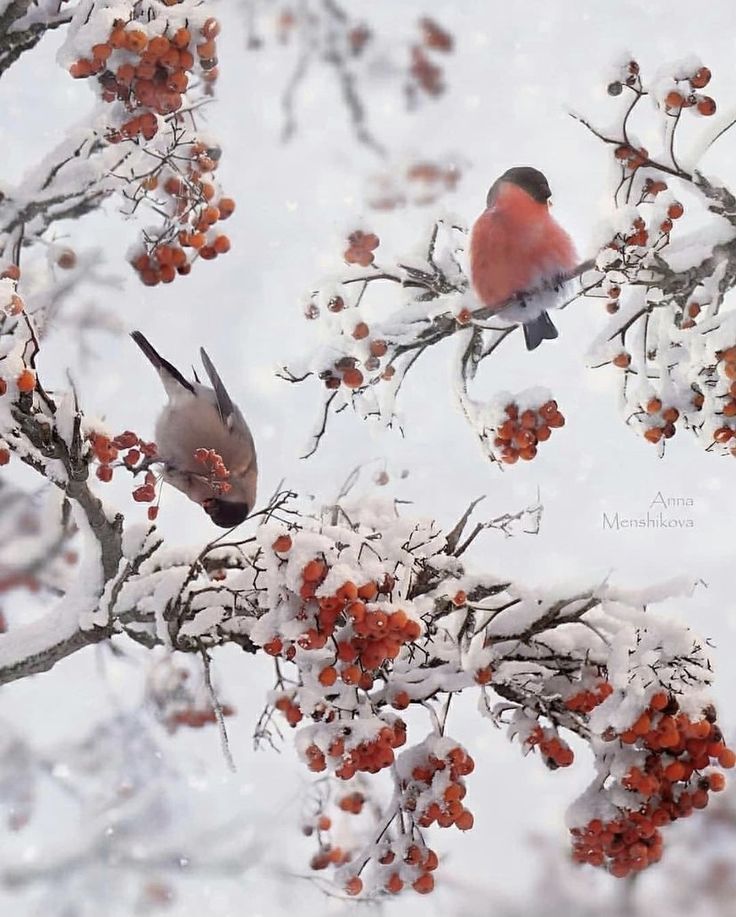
[
  {"x": 683, "y": 94},
  {"x": 659, "y": 422},
  {"x": 361, "y": 246},
  {"x": 587, "y": 700},
  {"x": 521, "y": 431},
  {"x": 214, "y": 470},
  {"x": 346, "y": 758},
  {"x": 136, "y": 455},
  {"x": 189, "y": 196},
  {"x": 286, "y": 705},
  {"x": 555, "y": 751},
  {"x": 424, "y": 74},
  {"x": 673, "y": 777},
  {"x": 11, "y": 303},
  {"x": 641, "y": 234},
  {"x": 421, "y": 183},
  {"x": 397, "y": 864},
  {"x": 180, "y": 700},
  {"x": 628, "y": 75},
  {"x": 152, "y": 71},
  {"x": 433, "y": 790},
  {"x": 196, "y": 717},
  {"x": 345, "y": 371},
  {"x": 365, "y": 633},
  {"x": 726, "y": 370},
  {"x": 146, "y": 66}
]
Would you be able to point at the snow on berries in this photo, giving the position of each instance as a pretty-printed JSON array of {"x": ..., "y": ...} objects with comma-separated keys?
[
  {"x": 670, "y": 762},
  {"x": 380, "y": 320},
  {"x": 151, "y": 70},
  {"x": 431, "y": 778},
  {"x": 521, "y": 430},
  {"x": 190, "y": 197},
  {"x": 679, "y": 92},
  {"x": 669, "y": 319},
  {"x": 362, "y": 628}
]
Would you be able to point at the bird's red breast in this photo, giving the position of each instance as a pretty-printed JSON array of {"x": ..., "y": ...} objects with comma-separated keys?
[{"x": 514, "y": 245}]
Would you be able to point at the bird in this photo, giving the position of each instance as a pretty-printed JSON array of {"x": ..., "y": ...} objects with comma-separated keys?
[
  {"x": 517, "y": 247},
  {"x": 200, "y": 417}
]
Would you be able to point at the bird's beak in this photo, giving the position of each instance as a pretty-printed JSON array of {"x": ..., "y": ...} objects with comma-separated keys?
[{"x": 549, "y": 202}]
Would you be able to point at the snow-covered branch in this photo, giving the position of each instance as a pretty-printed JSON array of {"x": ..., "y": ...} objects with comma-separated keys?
[
  {"x": 671, "y": 331},
  {"x": 23, "y": 23},
  {"x": 418, "y": 302}
]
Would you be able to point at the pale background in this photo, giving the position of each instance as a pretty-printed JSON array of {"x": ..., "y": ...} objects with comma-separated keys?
[{"x": 518, "y": 69}]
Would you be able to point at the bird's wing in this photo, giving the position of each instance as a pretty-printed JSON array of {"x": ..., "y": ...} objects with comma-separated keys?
[
  {"x": 169, "y": 374},
  {"x": 224, "y": 402}
]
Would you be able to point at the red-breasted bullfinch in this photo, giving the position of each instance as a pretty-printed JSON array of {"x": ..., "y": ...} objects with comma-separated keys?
[
  {"x": 200, "y": 417},
  {"x": 515, "y": 247}
]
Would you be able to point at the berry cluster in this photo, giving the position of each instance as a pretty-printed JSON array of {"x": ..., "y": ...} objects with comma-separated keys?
[
  {"x": 328, "y": 855},
  {"x": 399, "y": 862},
  {"x": 632, "y": 158},
  {"x": 361, "y": 246},
  {"x": 352, "y": 803},
  {"x": 364, "y": 635},
  {"x": 629, "y": 75},
  {"x": 344, "y": 371},
  {"x": 148, "y": 73},
  {"x": 421, "y": 183},
  {"x": 368, "y": 756},
  {"x": 425, "y": 75},
  {"x": 521, "y": 431},
  {"x": 587, "y": 700},
  {"x": 196, "y": 717},
  {"x": 421, "y": 862},
  {"x": 439, "y": 776},
  {"x": 286, "y": 705},
  {"x": 555, "y": 751},
  {"x": 189, "y": 197},
  {"x": 683, "y": 95},
  {"x": 214, "y": 470},
  {"x": 660, "y": 420},
  {"x": 11, "y": 302},
  {"x": 674, "y": 751},
  {"x": 137, "y": 455},
  {"x": 623, "y": 845},
  {"x": 727, "y": 369},
  {"x": 687, "y": 319}
]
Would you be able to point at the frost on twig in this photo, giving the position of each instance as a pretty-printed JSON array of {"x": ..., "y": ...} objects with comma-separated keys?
[
  {"x": 671, "y": 335},
  {"x": 382, "y": 317}
]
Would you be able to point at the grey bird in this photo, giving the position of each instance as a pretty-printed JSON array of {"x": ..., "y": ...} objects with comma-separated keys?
[{"x": 200, "y": 417}]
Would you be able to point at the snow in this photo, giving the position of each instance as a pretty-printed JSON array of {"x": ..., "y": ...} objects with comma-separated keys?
[{"x": 249, "y": 311}]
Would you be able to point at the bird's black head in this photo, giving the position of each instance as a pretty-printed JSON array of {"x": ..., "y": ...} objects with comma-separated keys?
[
  {"x": 525, "y": 177},
  {"x": 225, "y": 513}
]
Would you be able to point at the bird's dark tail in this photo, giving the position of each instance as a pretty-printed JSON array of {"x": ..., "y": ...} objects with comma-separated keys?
[
  {"x": 162, "y": 366},
  {"x": 541, "y": 329}
]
